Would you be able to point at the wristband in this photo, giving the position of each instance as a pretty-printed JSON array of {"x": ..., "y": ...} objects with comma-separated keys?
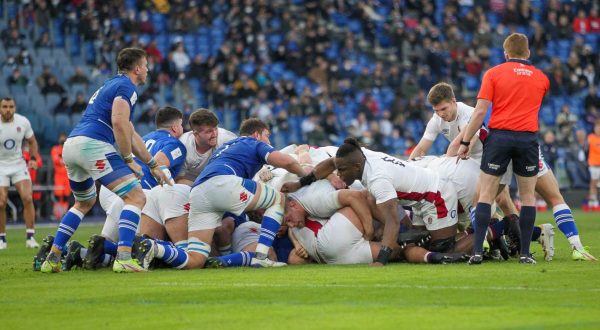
[
  {"x": 307, "y": 179},
  {"x": 152, "y": 163},
  {"x": 384, "y": 254},
  {"x": 128, "y": 159},
  {"x": 465, "y": 143}
]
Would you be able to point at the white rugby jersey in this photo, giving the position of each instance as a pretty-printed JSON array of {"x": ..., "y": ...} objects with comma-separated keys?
[
  {"x": 195, "y": 161},
  {"x": 11, "y": 138},
  {"x": 450, "y": 130},
  {"x": 387, "y": 177},
  {"x": 319, "y": 200}
]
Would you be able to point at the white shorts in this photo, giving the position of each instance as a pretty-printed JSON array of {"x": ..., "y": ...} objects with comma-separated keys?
[
  {"x": 215, "y": 196},
  {"x": 340, "y": 242},
  {"x": 13, "y": 172},
  {"x": 167, "y": 202},
  {"x": 244, "y": 235},
  {"x": 87, "y": 158},
  {"x": 428, "y": 214},
  {"x": 595, "y": 172}
]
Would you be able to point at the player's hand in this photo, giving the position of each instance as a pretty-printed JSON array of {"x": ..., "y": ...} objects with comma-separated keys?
[
  {"x": 282, "y": 230},
  {"x": 376, "y": 264},
  {"x": 290, "y": 187},
  {"x": 336, "y": 182},
  {"x": 32, "y": 164},
  {"x": 136, "y": 169},
  {"x": 369, "y": 232},
  {"x": 463, "y": 152},
  {"x": 265, "y": 174},
  {"x": 162, "y": 175},
  {"x": 301, "y": 252}
]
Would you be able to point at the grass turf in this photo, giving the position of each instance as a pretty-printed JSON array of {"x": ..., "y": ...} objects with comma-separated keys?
[{"x": 559, "y": 294}]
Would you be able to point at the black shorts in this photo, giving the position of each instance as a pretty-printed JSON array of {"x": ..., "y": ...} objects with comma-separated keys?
[{"x": 500, "y": 147}]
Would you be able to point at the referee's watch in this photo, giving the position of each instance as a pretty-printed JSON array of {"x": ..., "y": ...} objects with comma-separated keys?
[{"x": 465, "y": 143}]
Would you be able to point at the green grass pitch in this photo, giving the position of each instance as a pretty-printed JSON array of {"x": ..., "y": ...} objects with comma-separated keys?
[{"x": 561, "y": 294}]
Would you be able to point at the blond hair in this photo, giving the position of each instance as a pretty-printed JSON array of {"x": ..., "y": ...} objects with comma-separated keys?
[{"x": 516, "y": 45}]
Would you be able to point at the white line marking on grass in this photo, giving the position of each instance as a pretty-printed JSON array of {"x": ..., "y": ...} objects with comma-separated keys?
[{"x": 373, "y": 286}]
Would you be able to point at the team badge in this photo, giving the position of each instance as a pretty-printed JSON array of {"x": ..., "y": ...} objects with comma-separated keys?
[{"x": 18, "y": 129}]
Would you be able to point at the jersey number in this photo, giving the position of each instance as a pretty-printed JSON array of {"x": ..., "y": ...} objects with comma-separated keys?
[
  {"x": 93, "y": 98},
  {"x": 393, "y": 161},
  {"x": 149, "y": 144}
]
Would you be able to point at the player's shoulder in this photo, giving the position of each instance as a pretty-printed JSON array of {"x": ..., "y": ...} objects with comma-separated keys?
[
  {"x": 225, "y": 136},
  {"x": 464, "y": 107},
  {"x": 21, "y": 120}
]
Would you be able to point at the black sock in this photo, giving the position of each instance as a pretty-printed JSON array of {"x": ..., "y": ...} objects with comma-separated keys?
[
  {"x": 482, "y": 221},
  {"x": 526, "y": 223}
]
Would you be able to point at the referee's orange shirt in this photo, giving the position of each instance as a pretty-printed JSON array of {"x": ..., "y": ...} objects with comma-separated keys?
[
  {"x": 594, "y": 152},
  {"x": 516, "y": 89}
]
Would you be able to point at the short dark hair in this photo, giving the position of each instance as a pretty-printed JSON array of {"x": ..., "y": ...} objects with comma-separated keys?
[
  {"x": 166, "y": 115},
  {"x": 203, "y": 117},
  {"x": 349, "y": 146},
  {"x": 7, "y": 99},
  {"x": 129, "y": 57},
  {"x": 251, "y": 126}
]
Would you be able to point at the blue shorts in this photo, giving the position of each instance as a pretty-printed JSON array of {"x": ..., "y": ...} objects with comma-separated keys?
[{"x": 500, "y": 147}]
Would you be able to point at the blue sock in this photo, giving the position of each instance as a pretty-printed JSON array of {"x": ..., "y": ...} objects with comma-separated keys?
[
  {"x": 68, "y": 226},
  {"x": 268, "y": 230},
  {"x": 472, "y": 216},
  {"x": 526, "y": 222},
  {"x": 110, "y": 247},
  {"x": 564, "y": 220},
  {"x": 537, "y": 232},
  {"x": 172, "y": 255},
  {"x": 238, "y": 259},
  {"x": 482, "y": 221},
  {"x": 128, "y": 222}
]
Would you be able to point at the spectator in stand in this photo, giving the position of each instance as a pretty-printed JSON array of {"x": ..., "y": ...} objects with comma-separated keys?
[
  {"x": 44, "y": 41},
  {"x": 594, "y": 20},
  {"x": 581, "y": 24},
  {"x": 53, "y": 87},
  {"x": 79, "y": 78},
  {"x": 42, "y": 79},
  {"x": 181, "y": 60},
  {"x": 62, "y": 190},
  {"x": 17, "y": 79},
  {"x": 549, "y": 149},
  {"x": 565, "y": 121},
  {"x": 79, "y": 104}
]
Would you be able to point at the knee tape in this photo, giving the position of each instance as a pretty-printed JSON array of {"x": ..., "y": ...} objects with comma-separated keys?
[
  {"x": 275, "y": 211},
  {"x": 197, "y": 246},
  {"x": 126, "y": 186}
]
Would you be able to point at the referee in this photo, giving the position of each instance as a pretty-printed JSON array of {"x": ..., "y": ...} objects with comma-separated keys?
[{"x": 515, "y": 89}]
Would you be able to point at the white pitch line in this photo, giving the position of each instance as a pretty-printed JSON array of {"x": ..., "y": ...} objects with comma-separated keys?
[{"x": 374, "y": 286}]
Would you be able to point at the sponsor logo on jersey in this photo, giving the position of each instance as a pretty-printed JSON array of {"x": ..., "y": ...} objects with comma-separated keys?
[
  {"x": 243, "y": 196},
  {"x": 176, "y": 153},
  {"x": 186, "y": 207},
  {"x": 100, "y": 164}
]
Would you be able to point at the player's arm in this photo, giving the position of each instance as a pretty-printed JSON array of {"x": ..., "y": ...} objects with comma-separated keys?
[
  {"x": 285, "y": 161},
  {"x": 474, "y": 125},
  {"x": 389, "y": 214},
  {"x": 321, "y": 171},
  {"x": 34, "y": 151},
  {"x": 357, "y": 200},
  {"x": 121, "y": 126},
  {"x": 421, "y": 149}
]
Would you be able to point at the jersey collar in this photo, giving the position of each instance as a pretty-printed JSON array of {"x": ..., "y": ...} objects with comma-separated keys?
[{"x": 526, "y": 62}]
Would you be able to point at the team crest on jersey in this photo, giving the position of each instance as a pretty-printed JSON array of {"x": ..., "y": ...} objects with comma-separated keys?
[
  {"x": 243, "y": 196},
  {"x": 429, "y": 220},
  {"x": 18, "y": 129}
]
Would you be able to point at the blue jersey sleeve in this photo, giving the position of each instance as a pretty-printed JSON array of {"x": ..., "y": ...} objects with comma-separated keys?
[
  {"x": 263, "y": 150},
  {"x": 176, "y": 153},
  {"x": 128, "y": 93}
]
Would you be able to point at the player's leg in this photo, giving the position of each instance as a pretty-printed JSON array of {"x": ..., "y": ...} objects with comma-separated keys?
[
  {"x": 593, "y": 195},
  {"x": 547, "y": 187},
  {"x": 3, "y": 203},
  {"x": 223, "y": 235},
  {"x": 266, "y": 197},
  {"x": 25, "y": 191}
]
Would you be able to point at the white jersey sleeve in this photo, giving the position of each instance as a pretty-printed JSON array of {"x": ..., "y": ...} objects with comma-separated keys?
[{"x": 433, "y": 128}]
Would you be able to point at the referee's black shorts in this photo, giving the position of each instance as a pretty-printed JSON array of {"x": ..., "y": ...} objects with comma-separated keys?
[{"x": 500, "y": 147}]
